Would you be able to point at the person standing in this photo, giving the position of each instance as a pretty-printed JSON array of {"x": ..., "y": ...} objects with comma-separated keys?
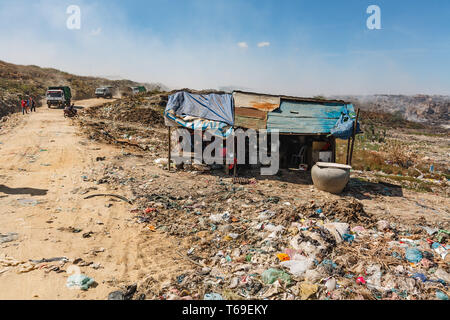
[
  {"x": 24, "y": 106},
  {"x": 32, "y": 104}
]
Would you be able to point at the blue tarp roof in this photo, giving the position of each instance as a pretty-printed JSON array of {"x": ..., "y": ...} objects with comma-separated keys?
[{"x": 216, "y": 107}]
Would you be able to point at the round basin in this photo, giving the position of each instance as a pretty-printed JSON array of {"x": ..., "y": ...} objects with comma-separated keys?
[{"x": 330, "y": 177}]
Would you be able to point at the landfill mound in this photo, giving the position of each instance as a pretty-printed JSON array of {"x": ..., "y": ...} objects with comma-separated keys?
[
  {"x": 18, "y": 82},
  {"x": 8, "y": 103},
  {"x": 139, "y": 109},
  {"x": 136, "y": 121}
]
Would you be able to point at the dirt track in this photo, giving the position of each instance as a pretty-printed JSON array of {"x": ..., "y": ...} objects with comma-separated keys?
[{"x": 43, "y": 163}]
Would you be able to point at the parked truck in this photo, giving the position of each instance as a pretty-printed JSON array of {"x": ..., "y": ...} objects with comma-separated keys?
[
  {"x": 59, "y": 96},
  {"x": 104, "y": 92}
]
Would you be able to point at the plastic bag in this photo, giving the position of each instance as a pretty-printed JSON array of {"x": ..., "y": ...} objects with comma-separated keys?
[
  {"x": 343, "y": 129},
  {"x": 212, "y": 296},
  {"x": 413, "y": 255},
  {"x": 79, "y": 281},
  {"x": 271, "y": 275},
  {"x": 299, "y": 265}
]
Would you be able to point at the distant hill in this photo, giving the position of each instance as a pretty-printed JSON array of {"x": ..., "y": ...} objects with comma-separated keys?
[
  {"x": 431, "y": 110},
  {"x": 17, "y": 81}
]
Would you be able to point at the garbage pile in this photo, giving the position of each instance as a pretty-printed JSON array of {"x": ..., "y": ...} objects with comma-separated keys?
[
  {"x": 9, "y": 103},
  {"x": 135, "y": 109},
  {"x": 245, "y": 244},
  {"x": 135, "y": 121}
]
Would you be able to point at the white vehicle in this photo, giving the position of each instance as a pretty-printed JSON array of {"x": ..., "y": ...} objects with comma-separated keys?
[
  {"x": 104, "y": 92},
  {"x": 58, "y": 96}
]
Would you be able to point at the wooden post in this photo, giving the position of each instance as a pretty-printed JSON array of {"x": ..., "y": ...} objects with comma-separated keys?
[
  {"x": 354, "y": 136},
  {"x": 234, "y": 155},
  {"x": 333, "y": 149},
  {"x": 170, "y": 149},
  {"x": 348, "y": 152}
]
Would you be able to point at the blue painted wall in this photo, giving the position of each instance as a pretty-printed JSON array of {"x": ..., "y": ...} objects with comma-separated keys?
[{"x": 306, "y": 117}]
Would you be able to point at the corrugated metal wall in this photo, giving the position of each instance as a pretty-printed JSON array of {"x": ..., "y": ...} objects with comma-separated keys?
[{"x": 305, "y": 117}]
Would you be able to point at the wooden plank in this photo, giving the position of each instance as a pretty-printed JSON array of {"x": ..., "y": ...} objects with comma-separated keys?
[
  {"x": 249, "y": 123},
  {"x": 250, "y": 113}
]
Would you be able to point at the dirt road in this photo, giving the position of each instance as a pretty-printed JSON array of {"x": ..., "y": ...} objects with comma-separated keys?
[{"x": 43, "y": 183}]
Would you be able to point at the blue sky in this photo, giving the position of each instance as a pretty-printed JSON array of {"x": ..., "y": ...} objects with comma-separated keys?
[{"x": 288, "y": 47}]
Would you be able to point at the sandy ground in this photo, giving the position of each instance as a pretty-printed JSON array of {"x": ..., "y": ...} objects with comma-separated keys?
[{"x": 42, "y": 164}]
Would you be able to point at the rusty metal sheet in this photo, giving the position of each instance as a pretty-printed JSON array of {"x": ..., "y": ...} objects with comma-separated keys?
[{"x": 265, "y": 103}]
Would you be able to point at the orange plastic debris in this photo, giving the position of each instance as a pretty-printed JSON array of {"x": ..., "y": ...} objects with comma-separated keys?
[{"x": 283, "y": 257}]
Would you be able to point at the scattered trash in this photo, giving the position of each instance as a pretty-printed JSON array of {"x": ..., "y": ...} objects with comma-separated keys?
[
  {"x": 116, "y": 295},
  {"x": 79, "y": 281},
  {"x": 307, "y": 290},
  {"x": 298, "y": 265},
  {"x": 162, "y": 161},
  {"x": 442, "y": 234},
  {"x": 8, "y": 237},
  {"x": 64, "y": 259},
  {"x": 441, "y": 296},
  {"x": 109, "y": 195},
  {"x": 127, "y": 295},
  {"x": 271, "y": 275},
  {"x": 413, "y": 255},
  {"x": 88, "y": 234},
  {"x": 348, "y": 237},
  {"x": 212, "y": 296},
  {"x": 420, "y": 276},
  {"x": 28, "y": 202},
  {"x": 360, "y": 280},
  {"x": 383, "y": 225},
  {"x": 331, "y": 284},
  {"x": 430, "y": 231},
  {"x": 283, "y": 257},
  {"x": 241, "y": 181}
]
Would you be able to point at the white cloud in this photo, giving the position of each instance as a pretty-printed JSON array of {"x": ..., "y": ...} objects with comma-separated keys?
[
  {"x": 263, "y": 44},
  {"x": 243, "y": 44}
]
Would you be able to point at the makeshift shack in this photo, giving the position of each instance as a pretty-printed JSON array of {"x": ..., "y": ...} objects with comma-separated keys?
[{"x": 304, "y": 124}]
